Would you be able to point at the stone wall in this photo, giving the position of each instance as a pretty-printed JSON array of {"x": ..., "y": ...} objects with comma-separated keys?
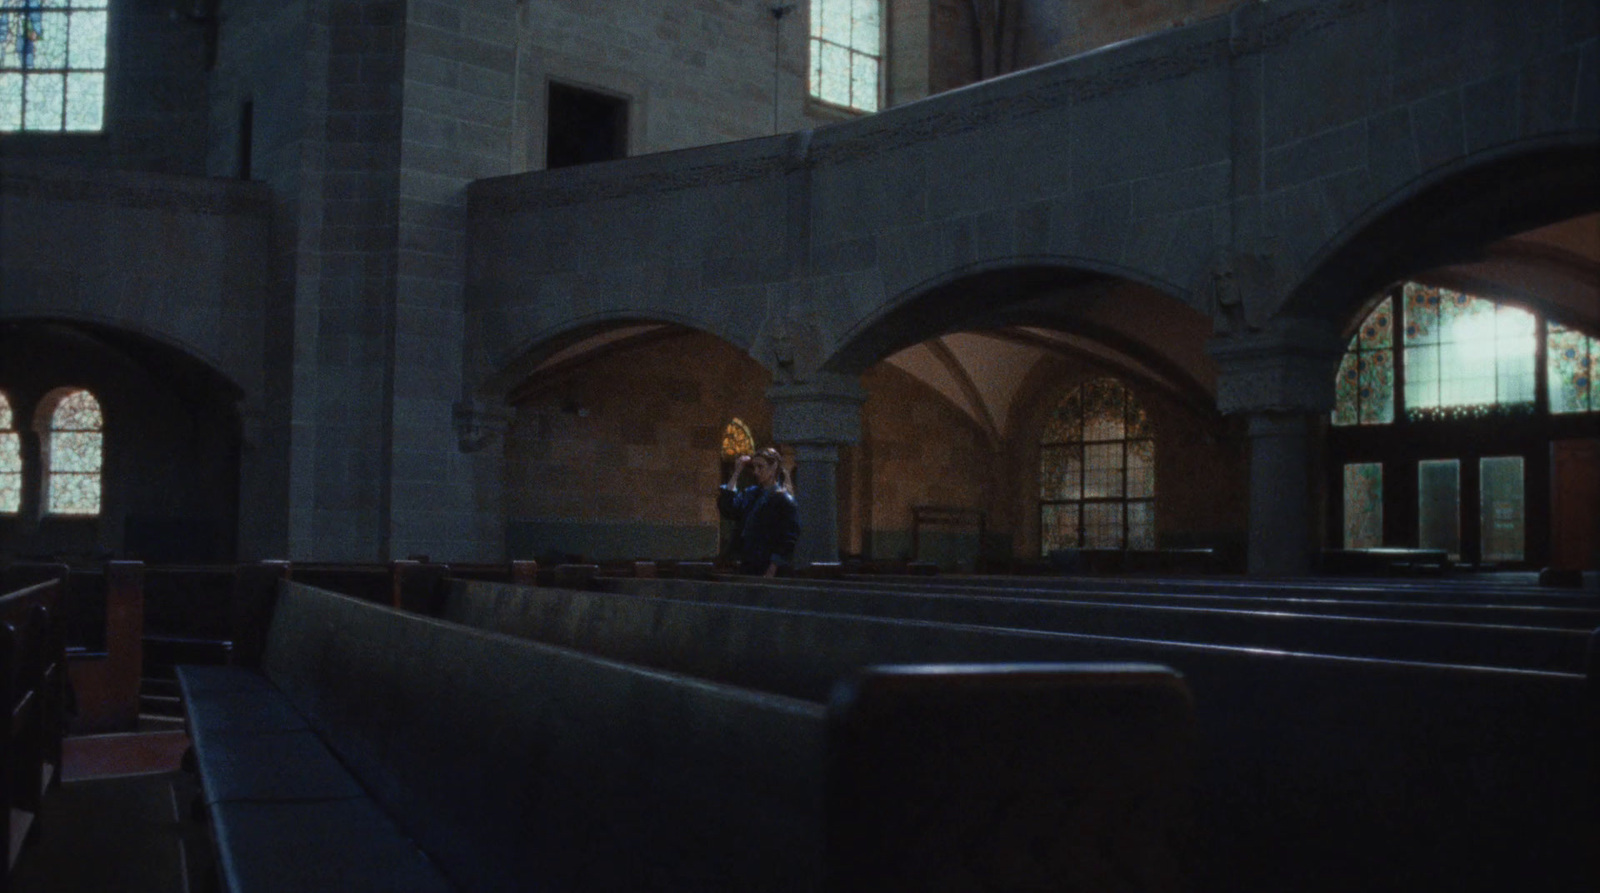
[
  {"x": 1053, "y": 30},
  {"x": 618, "y": 457}
]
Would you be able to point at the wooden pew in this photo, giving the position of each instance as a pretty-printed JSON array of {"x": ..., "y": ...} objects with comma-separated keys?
[
  {"x": 514, "y": 765},
  {"x": 1318, "y": 772},
  {"x": 1520, "y": 647},
  {"x": 33, "y": 690}
]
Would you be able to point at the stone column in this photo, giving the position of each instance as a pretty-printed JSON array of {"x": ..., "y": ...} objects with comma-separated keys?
[
  {"x": 817, "y": 417},
  {"x": 1280, "y": 379}
]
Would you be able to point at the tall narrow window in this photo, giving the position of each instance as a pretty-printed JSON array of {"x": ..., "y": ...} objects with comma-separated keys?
[
  {"x": 1097, "y": 481},
  {"x": 1465, "y": 355},
  {"x": 737, "y": 440},
  {"x": 1364, "y": 391},
  {"x": 1363, "y": 505},
  {"x": 52, "y": 65},
  {"x": 10, "y": 461},
  {"x": 847, "y": 52},
  {"x": 1439, "y": 505},
  {"x": 1571, "y": 358},
  {"x": 1501, "y": 516},
  {"x": 73, "y": 448}
]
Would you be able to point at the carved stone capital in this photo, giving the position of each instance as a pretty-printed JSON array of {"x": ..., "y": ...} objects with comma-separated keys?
[
  {"x": 825, "y": 409},
  {"x": 1288, "y": 367},
  {"x": 478, "y": 423}
]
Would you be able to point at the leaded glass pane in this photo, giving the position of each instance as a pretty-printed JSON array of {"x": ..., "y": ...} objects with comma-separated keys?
[
  {"x": 835, "y": 21},
  {"x": 78, "y": 411},
  {"x": 1377, "y": 330},
  {"x": 1347, "y": 389},
  {"x": 1376, "y": 371},
  {"x": 75, "y": 451},
  {"x": 87, "y": 47},
  {"x": 1104, "y": 410},
  {"x": 1466, "y": 352},
  {"x": 737, "y": 440},
  {"x": 1439, "y": 505},
  {"x": 11, "y": 43},
  {"x": 5, "y": 412},
  {"x": 1061, "y": 472},
  {"x": 1141, "y": 468},
  {"x": 1058, "y": 527},
  {"x": 867, "y": 33},
  {"x": 864, "y": 83},
  {"x": 1570, "y": 358},
  {"x": 1421, "y": 314},
  {"x": 1066, "y": 423},
  {"x": 1102, "y": 471},
  {"x": 1102, "y": 525},
  {"x": 10, "y": 453},
  {"x": 1363, "y": 505},
  {"x": 49, "y": 41},
  {"x": 45, "y": 98},
  {"x": 10, "y": 101},
  {"x": 74, "y": 494},
  {"x": 835, "y": 74},
  {"x": 1501, "y": 510},
  {"x": 1141, "y": 525},
  {"x": 1422, "y": 377}
]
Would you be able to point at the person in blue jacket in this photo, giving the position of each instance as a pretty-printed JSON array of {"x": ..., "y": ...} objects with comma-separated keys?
[{"x": 769, "y": 523}]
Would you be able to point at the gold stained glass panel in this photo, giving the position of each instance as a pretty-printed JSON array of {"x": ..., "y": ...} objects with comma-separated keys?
[{"x": 737, "y": 440}]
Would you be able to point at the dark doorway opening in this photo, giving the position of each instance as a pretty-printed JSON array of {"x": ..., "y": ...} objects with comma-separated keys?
[{"x": 584, "y": 126}]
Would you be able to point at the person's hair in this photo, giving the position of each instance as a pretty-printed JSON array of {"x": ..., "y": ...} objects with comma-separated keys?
[{"x": 771, "y": 455}]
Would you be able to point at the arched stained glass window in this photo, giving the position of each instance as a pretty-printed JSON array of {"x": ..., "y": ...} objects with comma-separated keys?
[
  {"x": 52, "y": 65},
  {"x": 847, "y": 52},
  {"x": 72, "y": 485},
  {"x": 1365, "y": 387},
  {"x": 10, "y": 461},
  {"x": 1097, "y": 482},
  {"x": 1465, "y": 353},
  {"x": 737, "y": 441},
  {"x": 1571, "y": 358}
]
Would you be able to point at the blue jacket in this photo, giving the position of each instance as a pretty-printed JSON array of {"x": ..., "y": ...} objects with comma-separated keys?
[{"x": 769, "y": 525}]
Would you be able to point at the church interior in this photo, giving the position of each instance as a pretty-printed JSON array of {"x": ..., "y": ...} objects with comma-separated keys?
[{"x": 1188, "y": 406}]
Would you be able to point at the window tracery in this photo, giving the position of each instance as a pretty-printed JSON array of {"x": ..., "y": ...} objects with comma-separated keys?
[{"x": 1097, "y": 472}]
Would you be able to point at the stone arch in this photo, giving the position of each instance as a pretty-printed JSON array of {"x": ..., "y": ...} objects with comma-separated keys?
[{"x": 1445, "y": 217}]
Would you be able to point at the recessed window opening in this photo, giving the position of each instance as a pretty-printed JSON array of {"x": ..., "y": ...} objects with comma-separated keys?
[
  {"x": 1097, "y": 472},
  {"x": 584, "y": 126},
  {"x": 72, "y": 448},
  {"x": 847, "y": 52},
  {"x": 52, "y": 65},
  {"x": 10, "y": 461}
]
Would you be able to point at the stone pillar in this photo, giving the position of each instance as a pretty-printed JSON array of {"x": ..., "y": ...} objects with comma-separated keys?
[
  {"x": 1280, "y": 378},
  {"x": 817, "y": 417}
]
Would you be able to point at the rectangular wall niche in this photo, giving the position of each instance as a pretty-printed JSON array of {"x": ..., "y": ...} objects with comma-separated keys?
[{"x": 584, "y": 126}]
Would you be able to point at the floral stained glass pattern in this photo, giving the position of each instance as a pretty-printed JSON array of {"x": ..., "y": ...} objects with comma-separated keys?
[
  {"x": 737, "y": 440},
  {"x": 10, "y": 462},
  {"x": 847, "y": 52},
  {"x": 1364, "y": 390},
  {"x": 52, "y": 65},
  {"x": 75, "y": 456},
  {"x": 1571, "y": 358},
  {"x": 1363, "y": 505},
  {"x": 1097, "y": 472}
]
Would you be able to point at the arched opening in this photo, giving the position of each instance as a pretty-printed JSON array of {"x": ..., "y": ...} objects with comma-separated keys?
[
  {"x": 124, "y": 447},
  {"x": 618, "y": 441}
]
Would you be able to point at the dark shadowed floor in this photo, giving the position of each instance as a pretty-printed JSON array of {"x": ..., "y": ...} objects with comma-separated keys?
[{"x": 119, "y": 822}]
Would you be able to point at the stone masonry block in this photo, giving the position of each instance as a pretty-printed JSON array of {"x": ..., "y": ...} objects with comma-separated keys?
[
  {"x": 1437, "y": 121},
  {"x": 1342, "y": 149}
]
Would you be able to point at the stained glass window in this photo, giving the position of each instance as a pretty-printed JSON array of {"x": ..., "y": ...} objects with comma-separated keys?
[
  {"x": 847, "y": 52},
  {"x": 10, "y": 461},
  {"x": 1097, "y": 481},
  {"x": 73, "y": 484},
  {"x": 1571, "y": 357},
  {"x": 1439, "y": 505},
  {"x": 736, "y": 440},
  {"x": 1364, "y": 391},
  {"x": 1363, "y": 505},
  {"x": 1501, "y": 514},
  {"x": 52, "y": 65},
  {"x": 1465, "y": 354}
]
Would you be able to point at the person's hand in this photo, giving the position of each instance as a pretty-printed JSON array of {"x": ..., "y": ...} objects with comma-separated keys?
[
  {"x": 772, "y": 570},
  {"x": 740, "y": 463}
]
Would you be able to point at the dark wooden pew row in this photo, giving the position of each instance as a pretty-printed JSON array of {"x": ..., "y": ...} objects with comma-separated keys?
[
  {"x": 380, "y": 750},
  {"x": 1453, "y": 590},
  {"x": 1254, "y": 598},
  {"x": 1518, "y": 647},
  {"x": 1318, "y": 772},
  {"x": 33, "y": 690}
]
